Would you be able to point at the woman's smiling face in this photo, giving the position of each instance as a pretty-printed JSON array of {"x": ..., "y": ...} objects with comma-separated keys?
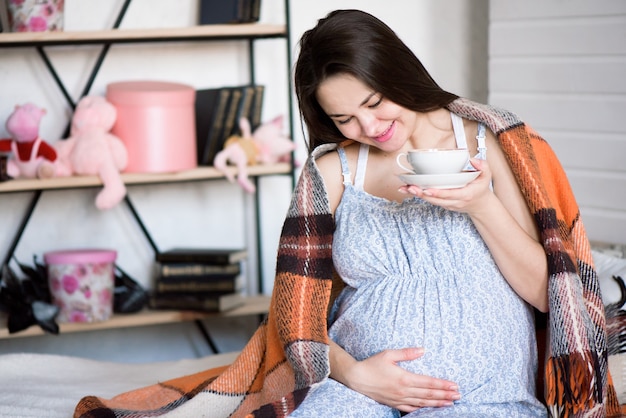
[{"x": 364, "y": 115}]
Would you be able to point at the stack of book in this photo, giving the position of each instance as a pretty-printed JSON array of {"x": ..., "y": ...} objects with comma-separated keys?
[
  {"x": 5, "y": 23},
  {"x": 229, "y": 11},
  {"x": 218, "y": 111},
  {"x": 209, "y": 280}
]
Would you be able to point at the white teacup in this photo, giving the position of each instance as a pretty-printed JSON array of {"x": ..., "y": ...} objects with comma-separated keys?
[{"x": 434, "y": 160}]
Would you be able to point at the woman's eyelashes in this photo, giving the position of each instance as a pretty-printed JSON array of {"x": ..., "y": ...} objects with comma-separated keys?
[
  {"x": 344, "y": 121},
  {"x": 374, "y": 105},
  {"x": 378, "y": 102}
]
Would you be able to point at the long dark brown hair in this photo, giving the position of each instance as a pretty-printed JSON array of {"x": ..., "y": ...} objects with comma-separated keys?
[{"x": 356, "y": 43}]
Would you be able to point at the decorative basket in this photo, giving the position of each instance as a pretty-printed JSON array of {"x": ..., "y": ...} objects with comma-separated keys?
[{"x": 36, "y": 15}]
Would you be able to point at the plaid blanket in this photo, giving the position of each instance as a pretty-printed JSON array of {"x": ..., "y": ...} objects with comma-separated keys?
[{"x": 288, "y": 354}]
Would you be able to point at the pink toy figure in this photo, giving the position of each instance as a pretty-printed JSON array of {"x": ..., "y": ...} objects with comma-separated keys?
[
  {"x": 92, "y": 150},
  {"x": 31, "y": 157},
  {"x": 267, "y": 145}
]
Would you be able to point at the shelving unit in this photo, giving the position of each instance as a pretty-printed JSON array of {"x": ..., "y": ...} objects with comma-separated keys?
[
  {"x": 249, "y": 32},
  {"x": 196, "y": 174},
  {"x": 255, "y": 305},
  {"x": 195, "y": 33}
]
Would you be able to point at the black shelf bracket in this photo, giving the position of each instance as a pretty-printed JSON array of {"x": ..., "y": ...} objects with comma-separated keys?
[
  {"x": 141, "y": 224},
  {"x": 22, "y": 227},
  {"x": 207, "y": 336}
]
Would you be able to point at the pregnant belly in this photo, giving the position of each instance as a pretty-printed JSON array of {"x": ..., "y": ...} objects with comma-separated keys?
[{"x": 465, "y": 337}]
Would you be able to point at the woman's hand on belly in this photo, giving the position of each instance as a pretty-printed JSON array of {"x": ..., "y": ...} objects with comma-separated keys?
[{"x": 380, "y": 377}]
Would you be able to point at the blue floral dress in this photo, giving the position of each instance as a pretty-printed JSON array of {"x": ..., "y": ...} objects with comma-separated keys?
[{"x": 419, "y": 275}]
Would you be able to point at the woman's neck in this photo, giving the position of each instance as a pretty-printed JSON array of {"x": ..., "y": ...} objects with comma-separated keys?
[{"x": 433, "y": 130}]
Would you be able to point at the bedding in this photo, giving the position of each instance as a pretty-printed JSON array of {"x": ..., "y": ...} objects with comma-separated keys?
[
  {"x": 611, "y": 275},
  {"x": 50, "y": 386}
]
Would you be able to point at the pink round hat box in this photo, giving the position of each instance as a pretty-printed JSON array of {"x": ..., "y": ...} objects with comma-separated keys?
[
  {"x": 82, "y": 283},
  {"x": 156, "y": 122}
]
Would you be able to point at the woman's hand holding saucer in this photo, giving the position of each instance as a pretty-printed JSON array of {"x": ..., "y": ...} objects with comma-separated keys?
[{"x": 463, "y": 199}]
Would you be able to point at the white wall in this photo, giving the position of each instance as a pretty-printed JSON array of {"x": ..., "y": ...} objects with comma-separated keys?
[
  {"x": 561, "y": 66},
  {"x": 451, "y": 43}
]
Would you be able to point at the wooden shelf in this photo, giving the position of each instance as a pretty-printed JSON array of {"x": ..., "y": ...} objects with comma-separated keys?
[
  {"x": 194, "y": 33},
  {"x": 200, "y": 173},
  {"x": 255, "y": 305}
]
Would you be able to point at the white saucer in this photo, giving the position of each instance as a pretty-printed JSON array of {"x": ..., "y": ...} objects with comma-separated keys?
[{"x": 439, "y": 181}]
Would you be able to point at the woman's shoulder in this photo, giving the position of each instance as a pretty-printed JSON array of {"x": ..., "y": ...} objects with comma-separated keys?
[
  {"x": 325, "y": 149},
  {"x": 327, "y": 158},
  {"x": 322, "y": 151},
  {"x": 495, "y": 118},
  {"x": 328, "y": 164},
  {"x": 324, "y": 154}
]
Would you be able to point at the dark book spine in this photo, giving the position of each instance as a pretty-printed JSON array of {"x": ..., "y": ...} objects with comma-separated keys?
[
  {"x": 196, "y": 258},
  {"x": 245, "y": 104},
  {"x": 257, "y": 106},
  {"x": 197, "y": 302},
  {"x": 255, "y": 10},
  {"x": 195, "y": 285},
  {"x": 206, "y": 270},
  {"x": 5, "y": 24},
  {"x": 204, "y": 107},
  {"x": 244, "y": 11},
  {"x": 216, "y": 143},
  {"x": 221, "y": 11},
  {"x": 215, "y": 127},
  {"x": 216, "y": 256},
  {"x": 230, "y": 120}
]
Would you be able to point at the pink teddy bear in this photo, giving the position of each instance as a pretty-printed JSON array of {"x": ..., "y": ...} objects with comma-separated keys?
[
  {"x": 31, "y": 156},
  {"x": 92, "y": 150}
]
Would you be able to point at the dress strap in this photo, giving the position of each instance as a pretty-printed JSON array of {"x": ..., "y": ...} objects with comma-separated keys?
[
  {"x": 461, "y": 140},
  {"x": 345, "y": 169},
  {"x": 482, "y": 143},
  {"x": 459, "y": 130},
  {"x": 361, "y": 166}
]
